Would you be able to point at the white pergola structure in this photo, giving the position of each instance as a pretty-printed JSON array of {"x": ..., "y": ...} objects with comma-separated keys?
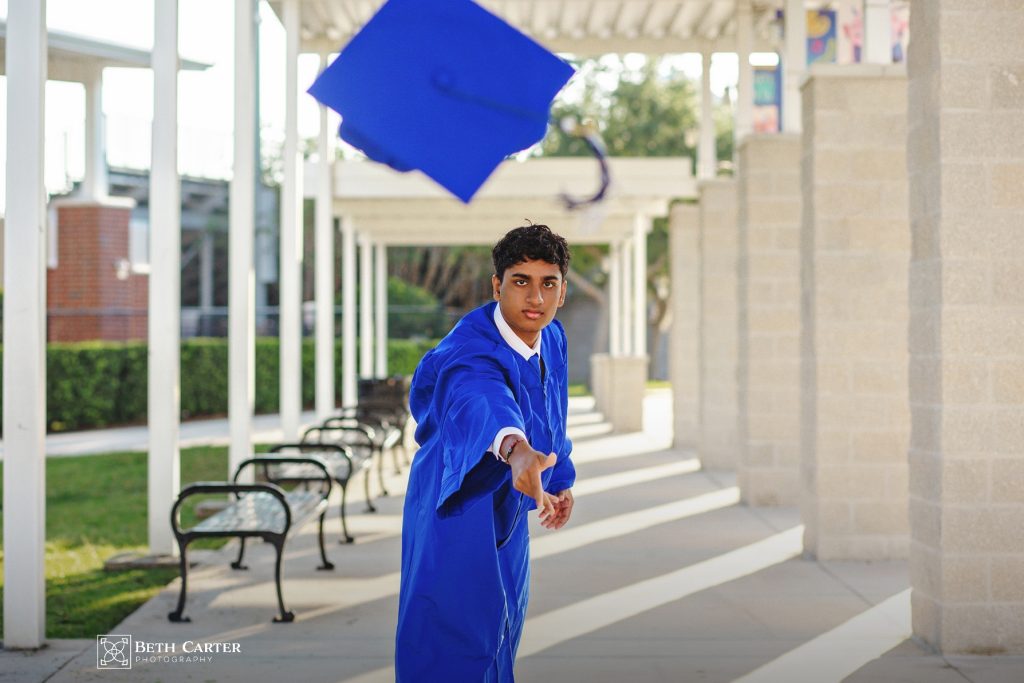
[
  {"x": 379, "y": 208},
  {"x": 78, "y": 59},
  {"x": 581, "y": 27},
  {"x": 30, "y": 56}
]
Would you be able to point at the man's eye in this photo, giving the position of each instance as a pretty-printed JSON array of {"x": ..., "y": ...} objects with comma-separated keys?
[
  {"x": 520, "y": 282},
  {"x": 549, "y": 285}
]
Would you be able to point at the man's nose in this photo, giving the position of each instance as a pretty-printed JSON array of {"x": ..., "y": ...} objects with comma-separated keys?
[{"x": 535, "y": 295}]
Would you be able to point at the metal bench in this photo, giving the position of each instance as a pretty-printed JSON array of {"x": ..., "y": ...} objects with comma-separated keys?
[
  {"x": 261, "y": 510},
  {"x": 343, "y": 462}
]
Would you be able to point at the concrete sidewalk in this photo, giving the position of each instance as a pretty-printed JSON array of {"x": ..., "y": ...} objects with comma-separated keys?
[
  {"x": 212, "y": 432},
  {"x": 660, "y": 577}
]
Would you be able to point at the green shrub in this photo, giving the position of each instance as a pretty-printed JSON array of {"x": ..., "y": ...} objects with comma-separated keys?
[{"x": 97, "y": 384}]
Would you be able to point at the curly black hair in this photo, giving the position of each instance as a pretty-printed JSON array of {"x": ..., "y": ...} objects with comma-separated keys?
[{"x": 534, "y": 242}]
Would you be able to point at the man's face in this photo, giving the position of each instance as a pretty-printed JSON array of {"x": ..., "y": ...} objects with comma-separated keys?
[{"x": 529, "y": 293}]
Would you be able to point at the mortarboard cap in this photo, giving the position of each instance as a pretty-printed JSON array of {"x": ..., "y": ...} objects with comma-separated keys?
[{"x": 442, "y": 86}]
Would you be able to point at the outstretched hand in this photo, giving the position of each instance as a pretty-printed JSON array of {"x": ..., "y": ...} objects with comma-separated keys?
[
  {"x": 563, "y": 503},
  {"x": 527, "y": 465}
]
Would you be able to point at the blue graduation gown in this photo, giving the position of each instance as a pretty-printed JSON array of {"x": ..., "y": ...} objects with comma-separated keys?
[{"x": 465, "y": 537}]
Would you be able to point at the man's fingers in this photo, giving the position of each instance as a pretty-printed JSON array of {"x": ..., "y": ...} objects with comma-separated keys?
[{"x": 549, "y": 462}]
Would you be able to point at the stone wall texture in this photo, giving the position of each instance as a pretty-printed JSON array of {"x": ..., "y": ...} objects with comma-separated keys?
[
  {"x": 855, "y": 251},
  {"x": 768, "y": 314},
  {"x": 684, "y": 361},
  {"x": 718, "y": 244},
  {"x": 966, "y": 169}
]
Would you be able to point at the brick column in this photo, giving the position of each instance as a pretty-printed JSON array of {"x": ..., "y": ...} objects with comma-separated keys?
[
  {"x": 966, "y": 161},
  {"x": 855, "y": 241},
  {"x": 684, "y": 362},
  {"x": 92, "y": 293},
  {"x": 768, "y": 371},
  {"x": 717, "y": 446}
]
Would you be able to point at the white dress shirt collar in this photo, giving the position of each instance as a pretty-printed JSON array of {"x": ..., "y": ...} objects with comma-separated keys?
[{"x": 512, "y": 339}]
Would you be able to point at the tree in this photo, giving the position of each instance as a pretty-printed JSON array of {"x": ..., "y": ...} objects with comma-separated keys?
[{"x": 646, "y": 112}]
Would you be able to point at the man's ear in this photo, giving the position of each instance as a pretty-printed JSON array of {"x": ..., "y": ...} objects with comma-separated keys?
[
  {"x": 561, "y": 297},
  {"x": 496, "y": 287}
]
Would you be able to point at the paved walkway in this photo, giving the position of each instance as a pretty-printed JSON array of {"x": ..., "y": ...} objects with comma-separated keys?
[
  {"x": 212, "y": 432},
  {"x": 661, "y": 577}
]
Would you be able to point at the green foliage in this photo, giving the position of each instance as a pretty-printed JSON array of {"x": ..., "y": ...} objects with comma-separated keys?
[
  {"x": 418, "y": 312},
  {"x": 97, "y": 384},
  {"x": 96, "y": 508},
  {"x": 644, "y": 113}
]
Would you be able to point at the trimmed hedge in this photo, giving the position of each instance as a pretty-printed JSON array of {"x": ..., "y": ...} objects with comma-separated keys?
[{"x": 96, "y": 384}]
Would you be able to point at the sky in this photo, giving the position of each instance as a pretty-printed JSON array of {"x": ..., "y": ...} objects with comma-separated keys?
[{"x": 205, "y": 98}]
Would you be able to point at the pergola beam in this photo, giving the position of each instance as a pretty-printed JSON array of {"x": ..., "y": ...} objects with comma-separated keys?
[
  {"x": 24, "y": 363},
  {"x": 241, "y": 233},
  {"x": 164, "y": 320}
]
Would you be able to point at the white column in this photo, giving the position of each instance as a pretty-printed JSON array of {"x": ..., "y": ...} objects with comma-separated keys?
[
  {"x": 24, "y": 364},
  {"x": 290, "y": 270},
  {"x": 640, "y": 223},
  {"x": 794, "y": 64},
  {"x": 614, "y": 300},
  {"x": 706, "y": 162},
  {"x": 95, "y": 185},
  {"x": 324, "y": 270},
  {"x": 877, "y": 32},
  {"x": 242, "y": 217},
  {"x": 626, "y": 296},
  {"x": 745, "y": 85},
  {"x": 164, "y": 283},
  {"x": 365, "y": 308},
  {"x": 348, "y": 323},
  {"x": 380, "y": 309}
]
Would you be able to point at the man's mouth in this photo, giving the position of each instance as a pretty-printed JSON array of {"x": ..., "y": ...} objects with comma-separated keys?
[{"x": 533, "y": 315}]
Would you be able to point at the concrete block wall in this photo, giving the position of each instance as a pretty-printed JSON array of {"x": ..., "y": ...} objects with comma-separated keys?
[
  {"x": 684, "y": 361},
  {"x": 966, "y": 162},
  {"x": 855, "y": 242},
  {"x": 768, "y": 315},
  {"x": 718, "y": 396}
]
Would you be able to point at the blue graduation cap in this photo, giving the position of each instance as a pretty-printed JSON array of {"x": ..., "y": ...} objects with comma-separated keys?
[{"x": 442, "y": 86}]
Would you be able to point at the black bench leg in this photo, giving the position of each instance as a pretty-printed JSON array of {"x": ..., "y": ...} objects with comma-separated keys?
[
  {"x": 327, "y": 564},
  {"x": 394, "y": 459},
  {"x": 175, "y": 616},
  {"x": 366, "y": 486},
  {"x": 346, "y": 537},
  {"x": 380, "y": 473},
  {"x": 237, "y": 564},
  {"x": 286, "y": 616}
]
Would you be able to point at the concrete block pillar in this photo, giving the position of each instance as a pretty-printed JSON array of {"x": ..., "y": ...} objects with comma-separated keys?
[
  {"x": 966, "y": 163},
  {"x": 855, "y": 242},
  {"x": 684, "y": 361},
  {"x": 621, "y": 382},
  {"x": 768, "y": 315},
  {"x": 718, "y": 244}
]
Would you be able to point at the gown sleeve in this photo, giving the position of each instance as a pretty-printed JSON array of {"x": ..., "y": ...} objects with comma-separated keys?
[
  {"x": 475, "y": 402},
  {"x": 563, "y": 474}
]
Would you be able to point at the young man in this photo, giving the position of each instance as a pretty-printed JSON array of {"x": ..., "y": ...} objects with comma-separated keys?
[{"x": 490, "y": 405}]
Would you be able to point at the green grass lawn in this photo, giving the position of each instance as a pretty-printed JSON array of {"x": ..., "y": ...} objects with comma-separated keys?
[{"x": 96, "y": 508}]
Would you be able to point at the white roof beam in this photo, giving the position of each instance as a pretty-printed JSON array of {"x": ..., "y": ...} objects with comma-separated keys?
[
  {"x": 569, "y": 24},
  {"x": 685, "y": 21},
  {"x": 602, "y": 16},
  {"x": 656, "y": 22},
  {"x": 711, "y": 24}
]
